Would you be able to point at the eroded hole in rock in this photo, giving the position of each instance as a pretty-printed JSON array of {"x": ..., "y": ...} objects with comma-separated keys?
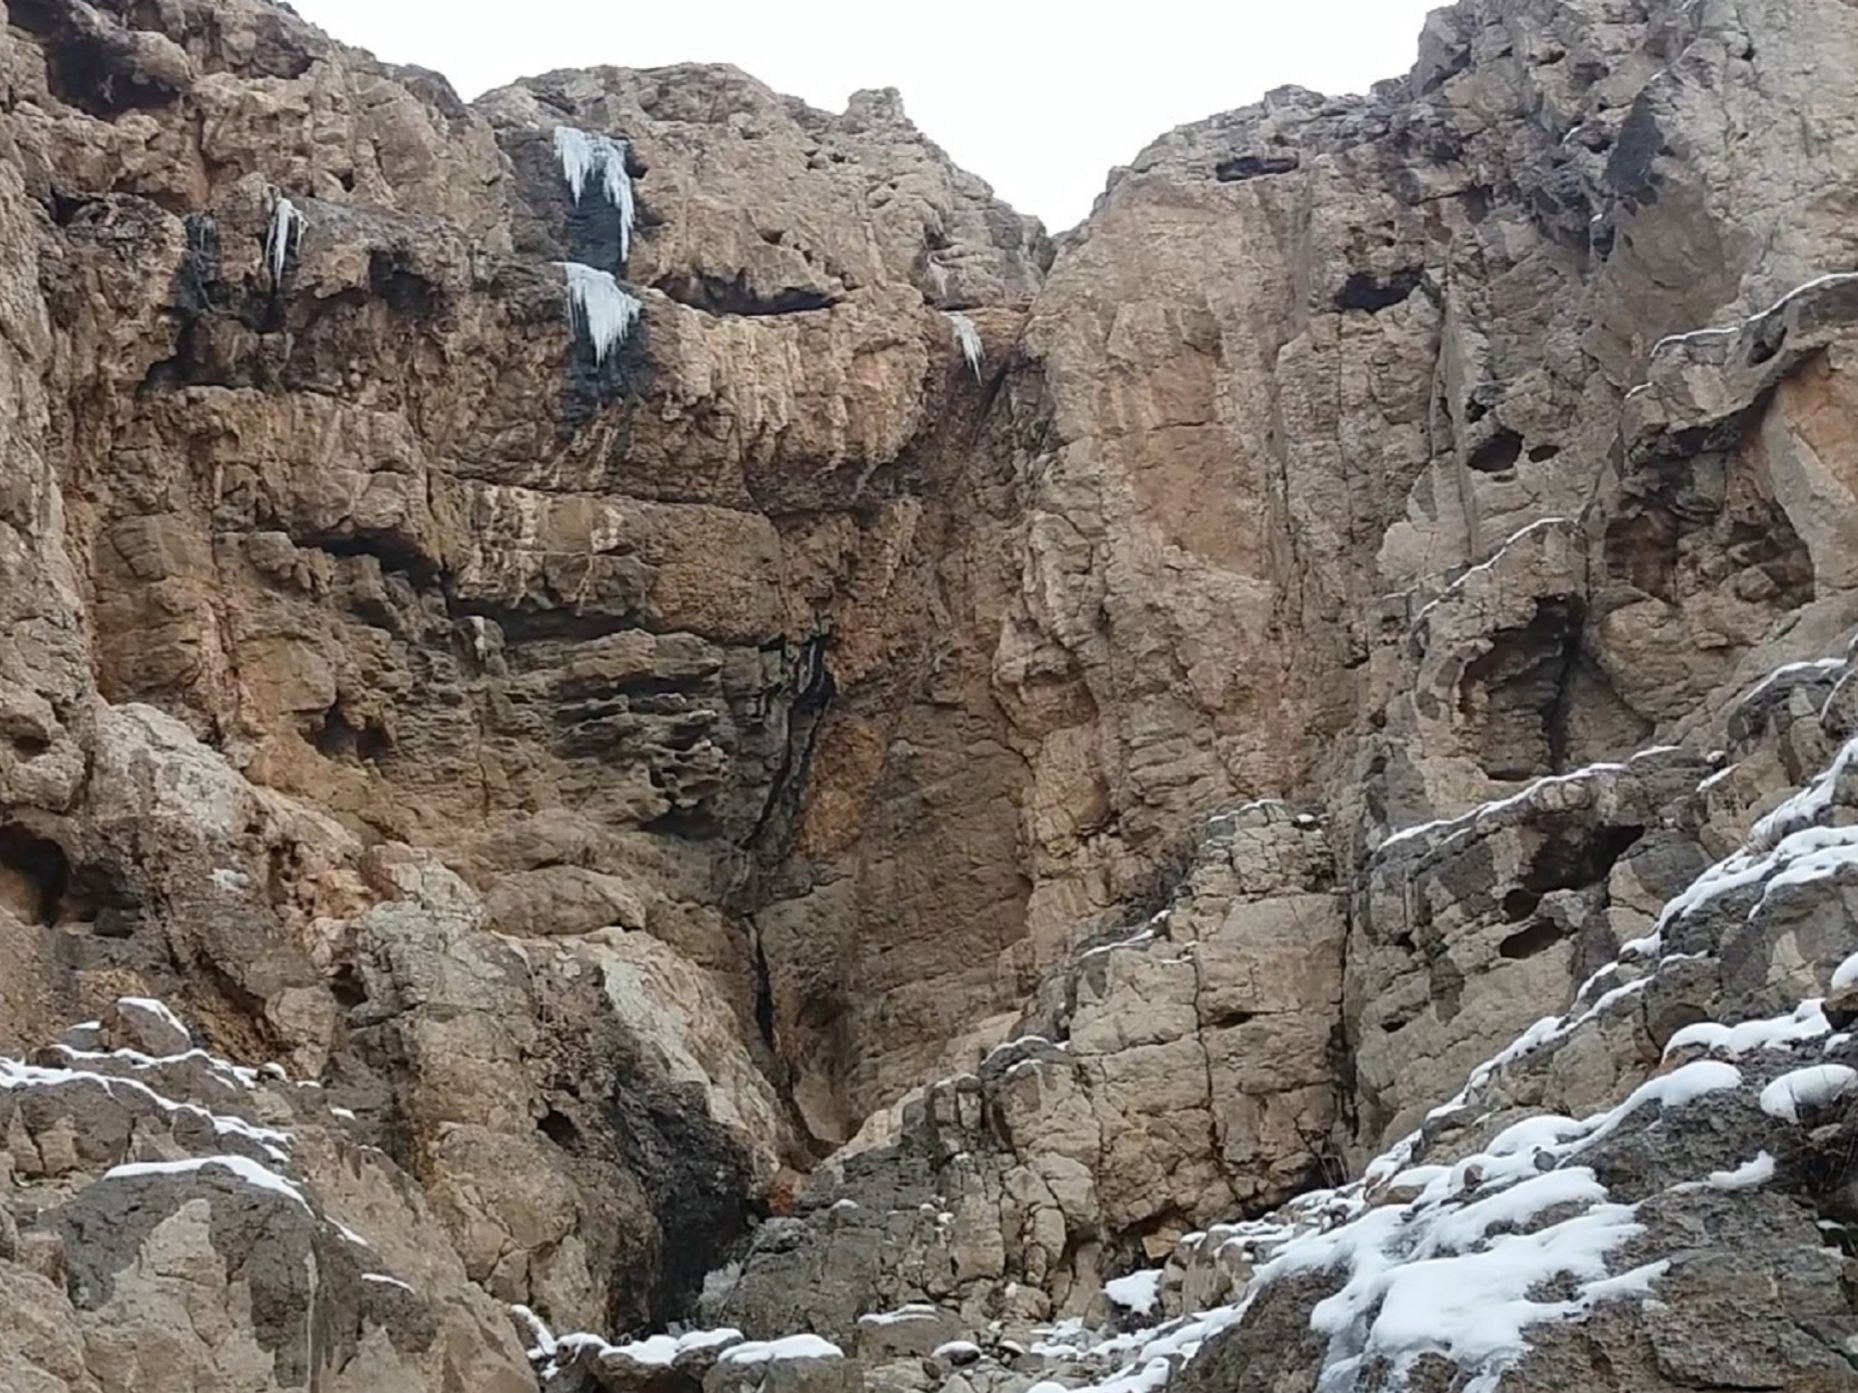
[
  {"x": 396, "y": 554},
  {"x": 339, "y": 738},
  {"x": 68, "y": 207},
  {"x": 1574, "y": 862},
  {"x": 1364, "y": 290},
  {"x": 715, "y": 295},
  {"x": 1497, "y": 454},
  {"x": 346, "y": 986},
  {"x": 34, "y": 875},
  {"x": 1519, "y": 904},
  {"x": 1539, "y": 453},
  {"x": 1540, "y": 936},
  {"x": 1220, "y": 1020},
  {"x": 559, "y": 1128},
  {"x": 1242, "y": 167},
  {"x": 1519, "y": 687},
  {"x": 1767, "y": 345},
  {"x": 404, "y": 289}
]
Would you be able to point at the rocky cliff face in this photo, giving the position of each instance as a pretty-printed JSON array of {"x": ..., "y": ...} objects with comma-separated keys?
[{"x": 632, "y": 705}]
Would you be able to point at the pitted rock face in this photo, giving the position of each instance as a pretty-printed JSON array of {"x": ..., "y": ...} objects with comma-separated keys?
[
  {"x": 363, "y": 508},
  {"x": 784, "y": 746},
  {"x": 173, "y": 1217}
]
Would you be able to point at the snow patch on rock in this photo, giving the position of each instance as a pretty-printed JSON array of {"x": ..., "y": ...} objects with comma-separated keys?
[
  {"x": 597, "y": 304},
  {"x": 1807, "y": 1090},
  {"x": 283, "y": 237},
  {"x": 1138, "y": 1292},
  {"x": 242, "y": 1168},
  {"x": 586, "y": 156},
  {"x": 968, "y": 340}
]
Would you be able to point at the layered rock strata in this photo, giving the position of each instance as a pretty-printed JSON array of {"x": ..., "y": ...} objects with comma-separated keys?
[{"x": 644, "y": 699}]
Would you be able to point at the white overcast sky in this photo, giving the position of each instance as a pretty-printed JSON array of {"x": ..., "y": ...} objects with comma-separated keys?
[{"x": 1038, "y": 97}]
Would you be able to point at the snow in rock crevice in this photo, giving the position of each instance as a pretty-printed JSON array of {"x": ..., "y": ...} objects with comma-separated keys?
[
  {"x": 1807, "y": 1090},
  {"x": 1138, "y": 1292},
  {"x": 788, "y": 1347},
  {"x": 1807, "y": 1021},
  {"x": 959, "y": 1351},
  {"x": 1753, "y": 1173},
  {"x": 597, "y": 304},
  {"x": 159, "y": 1010},
  {"x": 242, "y": 1168},
  {"x": 1459, "y": 1269},
  {"x": 968, "y": 340},
  {"x": 1484, "y": 813},
  {"x": 17, "y": 1075},
  {"x": 283, "y": 237},
  {"x": 588, "y": 156},
  {"x": 1457, "y": 587},
  {"x": 551, "y": 1352},
  {"x": 1451, "y": 1272}
]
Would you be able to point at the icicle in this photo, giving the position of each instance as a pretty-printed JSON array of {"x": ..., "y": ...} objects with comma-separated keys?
[
  {"x": 968, "y": 338},
  {"x": 583, "y": 155},
  {"x": 283, "y": 238},
  {"x": 596, "y": 301}
]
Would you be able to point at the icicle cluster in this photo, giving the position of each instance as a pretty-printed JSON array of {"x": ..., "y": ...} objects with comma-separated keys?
[
  {"x": 596, "y": 302},
  {"x": 281, "y": 239},
  {"x": 968, "y": 339},
  {"x": 585, "y": 156}
]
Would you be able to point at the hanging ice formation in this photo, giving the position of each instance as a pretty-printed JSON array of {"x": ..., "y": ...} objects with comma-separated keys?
[
  {"x": 587, "y": 156},
  {"x": 596, "y": 302},
  {"x": 283, "y": 236},
  {"x": 968, "y": 338}
]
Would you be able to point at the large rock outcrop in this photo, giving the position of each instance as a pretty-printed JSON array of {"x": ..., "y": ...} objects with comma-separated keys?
[{"x": 762, "y": 741}]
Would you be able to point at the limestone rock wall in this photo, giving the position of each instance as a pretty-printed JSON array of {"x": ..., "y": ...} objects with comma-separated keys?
[
  {"x": 395, "y": 682},
  {"x": 762, "y": 818}
]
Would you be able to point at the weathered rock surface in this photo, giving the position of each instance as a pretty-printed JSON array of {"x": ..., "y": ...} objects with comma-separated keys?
[
  {"x": 175, "y": 1221},
  {"x": 1163, "y": 1079},
  {"x": 740, "y": 812}
]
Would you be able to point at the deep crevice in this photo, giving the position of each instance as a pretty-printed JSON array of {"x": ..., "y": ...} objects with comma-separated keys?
[
  {"x": 1497, "y": 454},
  {"x": 1242, "y": 167},
  {"x": 1538, "y": 937},
  {"x": 714, "y": 295},
  {"x": 804, "y": 719},
  {"x": 35, "y": 875},
  {"x": 1365, "y": 290},
  {"x": 1574, "y": 862},
  {"x": 1519, "y": 904}
]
